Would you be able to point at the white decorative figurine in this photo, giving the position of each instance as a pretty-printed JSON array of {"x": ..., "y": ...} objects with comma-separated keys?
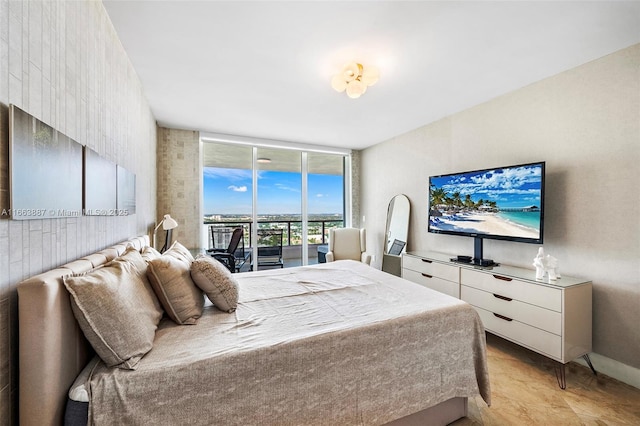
[
  {"x": 546, "y": 264},
  {"x": 538, "y": 262},
  {"x": 551, "y": 266}
]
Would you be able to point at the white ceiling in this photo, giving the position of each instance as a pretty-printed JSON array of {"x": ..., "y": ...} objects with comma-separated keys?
[{"x": 263, "y": 69}]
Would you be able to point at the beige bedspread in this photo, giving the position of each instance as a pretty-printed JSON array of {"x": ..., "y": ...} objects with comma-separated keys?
[{"x": 336, "y": 343}]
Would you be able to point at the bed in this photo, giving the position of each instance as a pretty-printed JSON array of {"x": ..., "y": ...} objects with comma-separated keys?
[{"x": 335, "y": 343}]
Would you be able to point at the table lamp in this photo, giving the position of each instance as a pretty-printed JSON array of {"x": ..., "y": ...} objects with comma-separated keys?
[{"x": 167, "y": 223}]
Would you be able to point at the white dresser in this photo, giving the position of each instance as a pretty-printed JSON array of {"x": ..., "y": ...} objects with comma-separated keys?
[
  {"x": 440, "y": 276},
  {"x": 550, "y": 317}
]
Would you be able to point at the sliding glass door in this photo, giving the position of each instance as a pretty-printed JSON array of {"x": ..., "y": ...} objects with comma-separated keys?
[
  {"x": 228, "y": 198},
  {"x": 284, "y": 199},
  {"x": 279, "y": 207},
  {"x": 325, "y": 199}
]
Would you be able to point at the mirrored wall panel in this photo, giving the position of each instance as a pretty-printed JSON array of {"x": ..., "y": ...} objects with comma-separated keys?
[
  {"x": 126, "y": 193},
  {"x": 45, "y": 170},
  {"x": 99, "y": 185}
]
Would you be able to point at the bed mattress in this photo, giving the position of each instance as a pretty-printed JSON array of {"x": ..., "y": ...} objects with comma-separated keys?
[{"x": 335, "y": 343}]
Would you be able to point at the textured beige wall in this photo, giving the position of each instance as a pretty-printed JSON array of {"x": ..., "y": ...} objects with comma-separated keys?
[
  {"x": 585, "y": 123},
  {"x": 180, "y": 184},
  {"x": 356, "y": 166},
  {"x": 63, "y": 63}
]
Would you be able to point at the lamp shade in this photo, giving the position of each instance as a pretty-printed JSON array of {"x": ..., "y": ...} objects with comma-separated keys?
[
  {"x": 168, "y": 222},
  {"x": 351, "y": 71},
  {"x": 354, "y": 79},
  {"x": 370, "y": 76},
  {"x": 339, "y": 83},
  {"x": 355, "y": 89}
]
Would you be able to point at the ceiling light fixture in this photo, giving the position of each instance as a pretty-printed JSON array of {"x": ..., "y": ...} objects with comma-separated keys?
[
  {"x": 354, "y": 79},
  {"x": 264, "y": 160}
]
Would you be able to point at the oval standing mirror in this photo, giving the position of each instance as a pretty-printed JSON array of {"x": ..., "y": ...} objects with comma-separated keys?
[{"x": 396, "y": 234}]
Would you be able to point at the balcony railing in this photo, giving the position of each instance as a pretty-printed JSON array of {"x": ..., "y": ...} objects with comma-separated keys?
[{"x": 292, "y": 230}]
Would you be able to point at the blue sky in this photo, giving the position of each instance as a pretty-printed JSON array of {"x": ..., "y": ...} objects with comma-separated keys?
[
  {"x": 228, "y": 191},
  {"x": 509, "y": 187}
]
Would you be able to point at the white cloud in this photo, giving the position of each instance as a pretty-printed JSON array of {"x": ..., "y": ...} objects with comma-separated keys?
[
  {"x": 231, "y": 174},
  {"x": 237, "y": 188},
  {"x": 286, "y": 188}
]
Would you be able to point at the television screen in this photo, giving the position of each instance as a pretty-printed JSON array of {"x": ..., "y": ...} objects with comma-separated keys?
[{"x": 505, "y": 203}]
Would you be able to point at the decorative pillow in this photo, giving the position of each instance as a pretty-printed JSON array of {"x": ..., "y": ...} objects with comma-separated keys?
[
  {"x": 149, "y": 253},
  {"x": 170, "y": 278},
  {"x": 116, "y": 312},
  {"x": 179, "y": 251},
  {"x": 216, "y": 281},
  {"x": 133, "y": 256}
]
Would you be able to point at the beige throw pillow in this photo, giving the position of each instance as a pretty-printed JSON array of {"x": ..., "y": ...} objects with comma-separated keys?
[
  {"x": 133, "y": 256},
  {"x": 171, "y": 280},
  {"x": 216, "y": 281},
  {"x": 179, "y": 251},
  {"x": 116, "y": 312},
  {"x": 149, "y": 253}
]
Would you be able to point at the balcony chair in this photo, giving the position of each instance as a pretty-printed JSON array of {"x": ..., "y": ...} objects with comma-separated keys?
[
  {"x": 270, "y": 248},
  {"x": 234, "y": 256},
  {"x": 348, "y": 243}
]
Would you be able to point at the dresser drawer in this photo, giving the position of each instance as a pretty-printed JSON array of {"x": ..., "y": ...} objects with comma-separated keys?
[
  {"x": 538, "y": 340},
  {"x": 443, "y": 286},
  {"x": 535, "y": 316},
  {"x": 545, "y": 297},
  {"x": 429, "y": 267}
]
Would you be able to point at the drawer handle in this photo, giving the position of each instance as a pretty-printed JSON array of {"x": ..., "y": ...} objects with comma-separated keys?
[
  {"x": 508, "y": 299},
  {"x": 427, "y": 260},
  {"x": 427, "y": 275},
  {"x": 499, "y": 277},
  {"x": 503, "y": 317}
]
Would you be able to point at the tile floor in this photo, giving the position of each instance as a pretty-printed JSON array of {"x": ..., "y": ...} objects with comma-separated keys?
[{"x": 524, "y": 391}]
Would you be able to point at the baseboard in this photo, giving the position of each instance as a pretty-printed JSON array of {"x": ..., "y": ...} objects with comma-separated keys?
[{"x": 612, "y": 368}]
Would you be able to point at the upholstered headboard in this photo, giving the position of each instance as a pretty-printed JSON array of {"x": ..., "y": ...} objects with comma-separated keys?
[{"x": 52, "y": 348}]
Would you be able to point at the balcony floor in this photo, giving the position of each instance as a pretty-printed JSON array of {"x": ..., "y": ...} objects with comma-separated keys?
[{"x": 291, "y": 255}]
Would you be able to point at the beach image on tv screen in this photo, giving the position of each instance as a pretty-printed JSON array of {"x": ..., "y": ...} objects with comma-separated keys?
[{"x": 503, "y": 202}]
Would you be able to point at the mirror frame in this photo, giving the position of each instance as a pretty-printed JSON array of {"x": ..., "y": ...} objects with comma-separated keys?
[
  {"x": 401, "y": 221},
  {"x": 397, "y": 227}
]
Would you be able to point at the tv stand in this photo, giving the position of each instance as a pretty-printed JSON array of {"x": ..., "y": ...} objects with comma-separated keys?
[
  {"x": 477, "y": 259},
  {"x": 478, "y": 263},
  {"x": 553, "y": 318},
  {"x": 484, "y": 263}
]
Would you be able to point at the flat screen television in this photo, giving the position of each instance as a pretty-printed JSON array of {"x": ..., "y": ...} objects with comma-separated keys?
[{"x": 502, "y": 203}]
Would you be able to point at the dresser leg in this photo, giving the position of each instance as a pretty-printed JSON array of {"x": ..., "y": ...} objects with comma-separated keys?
[
  {"x": 588, "y": 360},
  {"x": 560, "y": 376},
  {"x": 560, "y": 372}
]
